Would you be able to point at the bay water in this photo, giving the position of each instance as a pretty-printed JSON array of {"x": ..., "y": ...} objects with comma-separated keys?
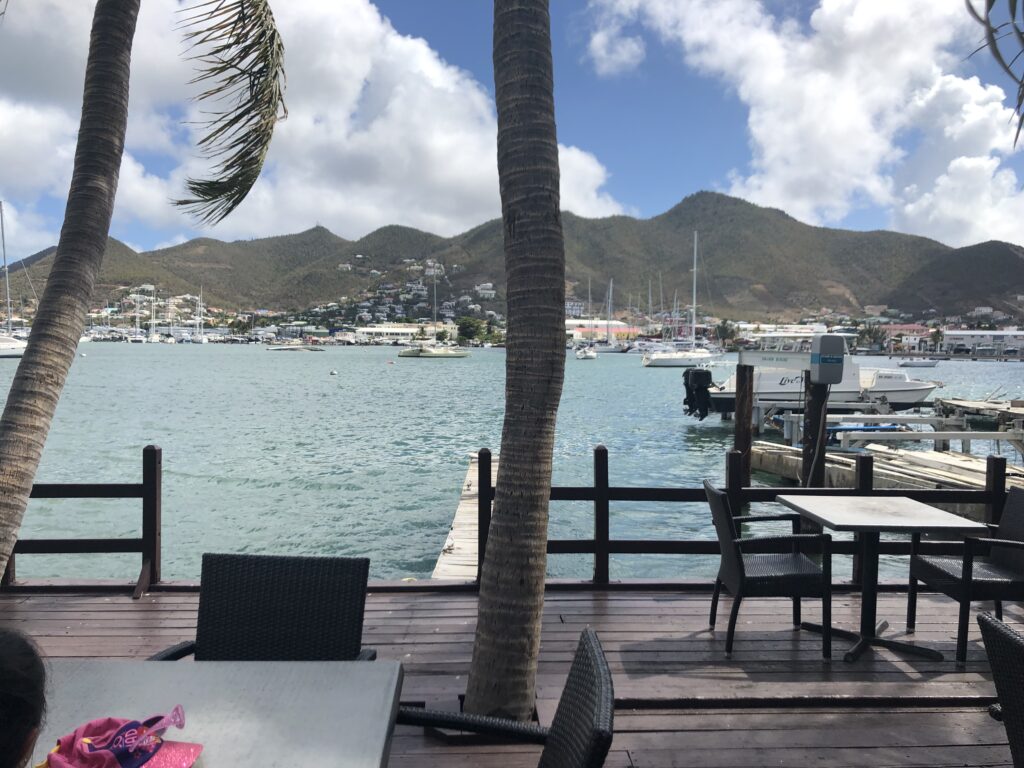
[{"x": 268, "y": 452}]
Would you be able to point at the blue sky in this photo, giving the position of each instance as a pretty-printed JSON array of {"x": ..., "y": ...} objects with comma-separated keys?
[{"x": 843, "y": 113}]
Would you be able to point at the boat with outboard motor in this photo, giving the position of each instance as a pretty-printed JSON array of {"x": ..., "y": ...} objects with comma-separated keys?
[{"x": 778, "y": 378}]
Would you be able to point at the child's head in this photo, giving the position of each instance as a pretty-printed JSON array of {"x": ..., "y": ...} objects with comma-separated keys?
[{"x": 22, "y": 697}]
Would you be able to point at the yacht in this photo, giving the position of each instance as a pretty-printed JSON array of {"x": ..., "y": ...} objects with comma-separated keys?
[
  {"x": 586, "y": 353},
  {"x": 778, "y": 378},
  {"x": 433, "y": 351}
]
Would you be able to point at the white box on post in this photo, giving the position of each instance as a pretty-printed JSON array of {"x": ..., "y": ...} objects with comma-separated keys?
[{"x": 827, "y": 351}]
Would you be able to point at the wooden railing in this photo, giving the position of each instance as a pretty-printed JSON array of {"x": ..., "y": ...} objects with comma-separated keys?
[
  {"x": 601, "y": 493},
  {"x": 148, "y": 545}
]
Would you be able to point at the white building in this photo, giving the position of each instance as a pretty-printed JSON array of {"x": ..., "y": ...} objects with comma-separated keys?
[{"x": 1001, "y": 339}]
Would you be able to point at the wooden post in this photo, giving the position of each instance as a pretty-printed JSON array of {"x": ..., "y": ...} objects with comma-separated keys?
[
  {"x": 742, "y": 431},
  {"x": 995, "y": 487},
  {"x": 484, "y": 493},
  {"x": 812, "y": 473},
  {"x": 864, "y": 481},
  {"x": 600, "y": 515},
  {"x": 152, "y": 482},
  {"x": 734, "y": 481}
]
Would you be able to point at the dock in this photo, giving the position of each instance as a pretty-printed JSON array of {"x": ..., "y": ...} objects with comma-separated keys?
[
  {"x": 458, "y": 558},
  {"x": 893, "y": 468},
  {"x": 1000, "y": 414}
]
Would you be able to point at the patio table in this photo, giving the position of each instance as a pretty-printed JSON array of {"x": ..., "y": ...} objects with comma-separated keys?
[
  {"x": 244, "y": 713},
  {"x": 870, "y": 516}
]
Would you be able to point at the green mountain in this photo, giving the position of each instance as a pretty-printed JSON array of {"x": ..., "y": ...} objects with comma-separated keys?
[{"x": 754, "y": 262}]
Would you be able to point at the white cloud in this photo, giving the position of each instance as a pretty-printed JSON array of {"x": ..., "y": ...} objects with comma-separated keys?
[
  {"x": 25, "y": 232},
  {"x": 612, "y": 52},
  {"x": 583, "y": 176},
  {"x": 380, "y": 130},
  {"x": 859, "y": 105},
  {"x": 972, "y": 201}
]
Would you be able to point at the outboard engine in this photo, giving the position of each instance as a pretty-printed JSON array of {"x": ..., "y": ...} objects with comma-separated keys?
[{"x": 697, "y": 381}]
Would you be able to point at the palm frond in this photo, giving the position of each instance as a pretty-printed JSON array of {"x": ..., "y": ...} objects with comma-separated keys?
[
  {"x": 240, "y": 59},
  {"x": 999, "y": 36}
]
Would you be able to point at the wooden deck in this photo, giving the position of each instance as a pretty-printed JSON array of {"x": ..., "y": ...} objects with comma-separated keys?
[{"x": 679, "y": 701}]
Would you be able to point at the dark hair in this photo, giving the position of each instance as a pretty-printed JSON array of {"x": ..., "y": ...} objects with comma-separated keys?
[{"x": 22, "y": 695}]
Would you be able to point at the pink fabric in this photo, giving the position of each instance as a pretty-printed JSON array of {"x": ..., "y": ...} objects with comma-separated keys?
[{"x": 114, "y": 743}]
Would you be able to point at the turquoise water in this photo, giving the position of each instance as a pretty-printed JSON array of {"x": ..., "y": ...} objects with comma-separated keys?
[{"x": 268, "y": 452}]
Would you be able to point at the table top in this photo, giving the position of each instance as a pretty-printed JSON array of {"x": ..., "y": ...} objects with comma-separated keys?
[
  {"x": 244, "y": 713},
  {"x": 884, "y": 514}
]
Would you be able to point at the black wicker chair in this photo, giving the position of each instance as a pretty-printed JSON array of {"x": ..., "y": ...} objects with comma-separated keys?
[
  {"x": 581, "y": 731},
  {"x": 998, "y": 577},
  {"x": 278, "y": 608},
  {"x": 769, "y": 574},
  {"x": 1005, "y": 649}
]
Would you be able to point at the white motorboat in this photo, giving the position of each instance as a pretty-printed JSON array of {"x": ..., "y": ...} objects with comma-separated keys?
[
  {"x": 685, "y": 358},
  {"x": 11, "y": 347},
  {"x": 778, "y": 378},
  {"x": 918, "y": 363},
  {"x": 586, "y": 353},
  {"x": 433, "y": 351}
]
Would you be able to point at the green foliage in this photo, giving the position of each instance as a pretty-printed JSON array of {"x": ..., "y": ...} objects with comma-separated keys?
[
  {"x": 756, "y": 262},
  {"x": 470, "y": 328},
  {"x": 441, "y": 336},
  {"x": 871, "y": 335},
  {"x": 241, "y": 60},
  {"x": 1004, "y": 31}
]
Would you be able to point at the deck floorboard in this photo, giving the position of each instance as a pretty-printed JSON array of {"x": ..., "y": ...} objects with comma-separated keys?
[{"x": 681, "y": 702}]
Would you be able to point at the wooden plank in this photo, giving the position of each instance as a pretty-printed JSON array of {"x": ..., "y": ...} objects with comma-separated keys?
[
  {"x": 458, "y": 558},
  {"x": 698, "y": 708}
]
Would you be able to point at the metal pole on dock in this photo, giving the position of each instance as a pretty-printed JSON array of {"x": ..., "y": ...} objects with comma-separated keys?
[{"x": 812, "y": 469}]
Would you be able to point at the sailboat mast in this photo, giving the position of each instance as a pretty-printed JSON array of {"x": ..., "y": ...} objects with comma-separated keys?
[
  {"x": 608, "y": 322},
  {"x": 694, "y": 325},
  {"x": 7, "y": 278}
]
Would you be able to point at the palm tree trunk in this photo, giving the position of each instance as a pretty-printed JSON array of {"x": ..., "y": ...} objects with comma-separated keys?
[
  {"x": 504, "y": 667},
  {"x": 83, "y": 238}
]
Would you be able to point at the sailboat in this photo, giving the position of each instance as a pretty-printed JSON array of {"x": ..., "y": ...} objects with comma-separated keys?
[
  {"x": 683, "y": 358},
  {"x": 610, "y": 344},
  {"x": 9, "y": 346},
  {"x": 430, "y": 348},
  {"x": 200, "y": 337}
]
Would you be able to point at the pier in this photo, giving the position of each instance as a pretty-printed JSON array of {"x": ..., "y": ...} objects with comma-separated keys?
[
  {"x": 459, "y": 557},
  {"x": 1000, "y": 414},
  {"x": 893, "y": 469}
]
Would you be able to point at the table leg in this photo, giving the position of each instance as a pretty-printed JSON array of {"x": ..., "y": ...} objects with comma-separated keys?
[
  {"x": 868, "y": 583},
  {"x": 870, "y": 627}
]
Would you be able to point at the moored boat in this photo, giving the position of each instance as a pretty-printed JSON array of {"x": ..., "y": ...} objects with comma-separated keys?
[
  {"x": 433, "y": 351},
  {"x": 778, "y": 378},
  {"x": 918, "y": 363},
  {"x": 684, "y": 358}
]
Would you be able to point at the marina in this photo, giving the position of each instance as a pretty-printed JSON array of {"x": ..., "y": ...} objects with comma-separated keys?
[{"x": 270, "y": 452}]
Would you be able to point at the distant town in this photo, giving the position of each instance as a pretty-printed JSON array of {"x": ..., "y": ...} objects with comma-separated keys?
[{"x": 425, "y": 307}]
